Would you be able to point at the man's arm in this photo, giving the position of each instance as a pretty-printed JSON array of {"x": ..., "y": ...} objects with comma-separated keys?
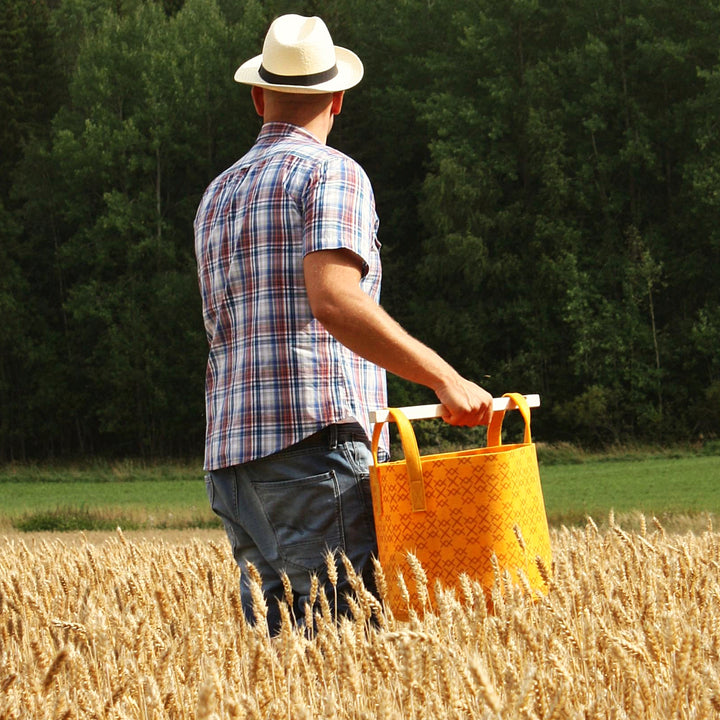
[{"x": 332, "y": 278}]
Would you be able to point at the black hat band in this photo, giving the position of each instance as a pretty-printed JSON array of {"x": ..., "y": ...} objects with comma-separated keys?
[{"x": 299, "y": 80}]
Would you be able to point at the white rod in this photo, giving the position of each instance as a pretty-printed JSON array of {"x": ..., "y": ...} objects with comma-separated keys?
[{"x": 423, "y": 412}]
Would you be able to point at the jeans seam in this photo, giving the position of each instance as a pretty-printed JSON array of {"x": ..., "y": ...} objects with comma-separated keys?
[
  {"x": 351, "y": 459},
  {"x": 362, "y": 479},
  {"x": 235, "y": 493}
]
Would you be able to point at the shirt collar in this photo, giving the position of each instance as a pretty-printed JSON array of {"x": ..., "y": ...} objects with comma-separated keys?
[{"x": 273, "y": 131}]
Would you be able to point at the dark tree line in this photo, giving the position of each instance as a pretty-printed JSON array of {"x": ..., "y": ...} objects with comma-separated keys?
[{"x": 547, "y": 176}]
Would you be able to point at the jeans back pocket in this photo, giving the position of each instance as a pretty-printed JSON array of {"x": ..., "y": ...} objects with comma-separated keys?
[{"x": 306, "y": 517}]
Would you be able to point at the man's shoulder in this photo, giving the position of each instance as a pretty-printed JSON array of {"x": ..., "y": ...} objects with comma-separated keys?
[
  {"x": 316, "y": 162},
  {"x": 332, "y": 161}
]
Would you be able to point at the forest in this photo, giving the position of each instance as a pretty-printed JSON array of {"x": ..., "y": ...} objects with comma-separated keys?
[{"x": 547, "y": 176}]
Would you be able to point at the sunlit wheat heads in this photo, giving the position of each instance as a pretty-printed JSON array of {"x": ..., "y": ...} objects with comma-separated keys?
[{"x": 149, "y": 629}]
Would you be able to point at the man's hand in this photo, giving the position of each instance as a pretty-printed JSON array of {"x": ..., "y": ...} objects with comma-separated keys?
[{"x": 465, "y": 403}]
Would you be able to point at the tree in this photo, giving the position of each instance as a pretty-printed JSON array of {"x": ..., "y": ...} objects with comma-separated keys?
[
  {"x": 151, "y": 120},
  {"x": 546, "y": 177},
  {"x": 495, "y": 197},
  {"x": 558, "y": 203}
]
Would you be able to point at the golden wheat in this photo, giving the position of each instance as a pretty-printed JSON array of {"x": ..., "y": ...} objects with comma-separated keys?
[{"x": 148, "y": 629}]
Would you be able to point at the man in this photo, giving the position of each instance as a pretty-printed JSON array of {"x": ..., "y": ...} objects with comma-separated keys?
[{"x": 289, "y": 272}]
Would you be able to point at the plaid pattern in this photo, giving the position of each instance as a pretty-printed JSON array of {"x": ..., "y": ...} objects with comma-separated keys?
[{"x": 274, "y": 374}]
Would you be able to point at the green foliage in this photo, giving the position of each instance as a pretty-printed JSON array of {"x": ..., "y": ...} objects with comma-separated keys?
[
  {"x": 96, "y": 470},
  {"x": 65, "y": 520},
  {"x": 130, "y": 162},
  {"x": 546, "y": 177},
  {"x": 73, "y": 519},
  {"x": 558, "y": 159},
  {"x": 31, "y": 85}
]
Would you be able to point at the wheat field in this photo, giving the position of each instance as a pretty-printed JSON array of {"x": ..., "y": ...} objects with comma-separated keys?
[{"x": 143, "y": 628}]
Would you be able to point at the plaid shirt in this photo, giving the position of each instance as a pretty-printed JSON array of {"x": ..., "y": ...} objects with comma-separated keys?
[{"x": 274, "y": 374}]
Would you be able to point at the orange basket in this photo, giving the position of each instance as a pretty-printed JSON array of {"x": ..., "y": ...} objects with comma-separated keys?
[{"x": 460, "y": 512}]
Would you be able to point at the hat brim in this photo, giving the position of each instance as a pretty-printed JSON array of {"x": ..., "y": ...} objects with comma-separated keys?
[{"x": 350, "y": 73}]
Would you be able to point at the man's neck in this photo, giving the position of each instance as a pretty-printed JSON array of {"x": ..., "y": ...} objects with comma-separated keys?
[{"x": 315, "y": 113}]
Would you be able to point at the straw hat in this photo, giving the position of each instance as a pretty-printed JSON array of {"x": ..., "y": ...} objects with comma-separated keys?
[{"x": 299, "y": 57}]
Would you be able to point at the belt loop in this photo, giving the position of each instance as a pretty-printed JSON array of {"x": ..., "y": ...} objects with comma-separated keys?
[{"x": 333, "y": 436}]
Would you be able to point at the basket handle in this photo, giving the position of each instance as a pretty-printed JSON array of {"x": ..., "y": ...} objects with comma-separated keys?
[
  {"x": 424, "y": 412},
  {"x": 411, "y": 452},
  {"x": 509, "y": 401},
  {"x": 494, "y": 433}
]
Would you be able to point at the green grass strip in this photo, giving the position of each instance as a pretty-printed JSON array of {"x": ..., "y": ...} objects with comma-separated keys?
[
  {"x": 102, "y": 496},
  {"x": 686, "y": 485}
]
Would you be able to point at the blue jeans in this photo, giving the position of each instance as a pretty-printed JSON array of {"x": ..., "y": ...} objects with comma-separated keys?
[{"x": 284, "y": 512}]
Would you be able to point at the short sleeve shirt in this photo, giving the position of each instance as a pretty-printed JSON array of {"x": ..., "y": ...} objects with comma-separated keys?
[{"x": 274, "y": 374}]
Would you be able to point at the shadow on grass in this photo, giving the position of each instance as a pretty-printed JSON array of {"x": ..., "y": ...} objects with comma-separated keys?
[{"x": 72, "y": 519}]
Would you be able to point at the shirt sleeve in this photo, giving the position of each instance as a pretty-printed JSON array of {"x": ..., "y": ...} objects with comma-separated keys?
[{"x": 339, "y": 210}]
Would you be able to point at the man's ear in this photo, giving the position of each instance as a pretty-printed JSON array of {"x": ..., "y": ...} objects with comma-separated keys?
[
  {"x": 258, "y": 98},
  {"x": 337, "y": 102}
]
